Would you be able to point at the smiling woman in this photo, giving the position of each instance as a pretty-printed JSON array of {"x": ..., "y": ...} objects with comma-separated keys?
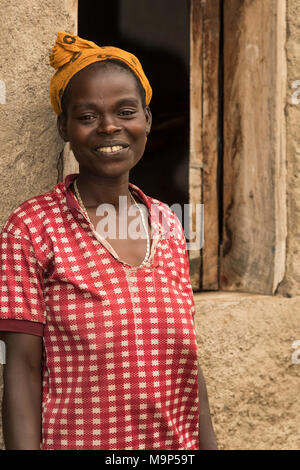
[
  {"x": 104, "y": 116},
  {"x": 109, "y": 319}
]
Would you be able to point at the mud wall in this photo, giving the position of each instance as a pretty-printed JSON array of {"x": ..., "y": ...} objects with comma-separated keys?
[
  {"x": 29, "y": 144},
  {"x": 251, "y": 363}
]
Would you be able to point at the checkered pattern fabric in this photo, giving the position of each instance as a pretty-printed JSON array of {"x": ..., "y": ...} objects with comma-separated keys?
[{"x": 120, "y": 353}]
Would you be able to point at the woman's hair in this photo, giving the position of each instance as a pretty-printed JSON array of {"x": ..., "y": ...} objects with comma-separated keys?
[{"x": 104, "y": 64}]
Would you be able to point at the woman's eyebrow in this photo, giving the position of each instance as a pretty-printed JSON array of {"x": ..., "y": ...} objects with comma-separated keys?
[
  {"x": 133, "y": 101},
  {"x": 83, "y": 105},
  {"x": 121, "y": 102}
]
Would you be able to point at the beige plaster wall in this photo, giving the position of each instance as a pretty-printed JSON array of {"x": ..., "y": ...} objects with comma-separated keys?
[
  {"x": 250, "y": 366},
  {"x": 29, "y": 145}
]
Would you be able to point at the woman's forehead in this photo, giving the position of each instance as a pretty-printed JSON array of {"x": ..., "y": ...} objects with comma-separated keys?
[{"x": 108, "y": 80}]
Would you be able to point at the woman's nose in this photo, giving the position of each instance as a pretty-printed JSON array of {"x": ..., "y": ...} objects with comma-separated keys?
[{"x": 107, "y": 125}]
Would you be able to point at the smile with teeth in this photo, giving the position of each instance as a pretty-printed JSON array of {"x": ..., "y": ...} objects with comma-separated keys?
[{"x": 115, "y": 148}]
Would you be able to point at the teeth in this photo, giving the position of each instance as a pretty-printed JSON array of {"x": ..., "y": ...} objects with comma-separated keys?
[{"x": 115, "y": 148}]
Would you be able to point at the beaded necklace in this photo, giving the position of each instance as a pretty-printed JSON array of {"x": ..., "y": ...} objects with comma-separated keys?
[{"x": 140, "y": 211}]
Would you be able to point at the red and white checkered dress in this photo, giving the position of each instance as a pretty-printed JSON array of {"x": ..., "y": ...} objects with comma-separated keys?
[{"x": 120, "y": 352}]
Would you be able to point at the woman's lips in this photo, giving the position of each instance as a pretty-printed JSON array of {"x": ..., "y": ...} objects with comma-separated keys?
[{"x": 111, "y": 149}]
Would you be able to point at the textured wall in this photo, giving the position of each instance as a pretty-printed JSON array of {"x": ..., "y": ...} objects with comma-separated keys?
[
  {"x": 291, "y": 283},
  {"x": 29, "y": 145},
  {"x": 254, "y": 170},
  {"x": 249, "y": 363}
]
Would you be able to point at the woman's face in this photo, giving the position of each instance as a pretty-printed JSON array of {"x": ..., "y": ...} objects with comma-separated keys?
[{"x": 106, "y": 123}]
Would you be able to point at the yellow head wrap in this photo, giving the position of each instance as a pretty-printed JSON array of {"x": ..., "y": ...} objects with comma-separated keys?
[{"x": 71, "y": 54}]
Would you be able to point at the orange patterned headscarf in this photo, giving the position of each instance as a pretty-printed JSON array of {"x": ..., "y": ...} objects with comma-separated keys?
[{"x": 72, "y": 54}]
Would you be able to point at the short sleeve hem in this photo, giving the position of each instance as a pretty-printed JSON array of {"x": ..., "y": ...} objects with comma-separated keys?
[
  {"x": 22, "y": 326},
  {"x": 21, "y": 281}
]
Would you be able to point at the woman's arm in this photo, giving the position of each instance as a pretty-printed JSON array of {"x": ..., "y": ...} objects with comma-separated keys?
[
  {"x": 207, "y": 438},
  {"x": 21, "y": 408}
]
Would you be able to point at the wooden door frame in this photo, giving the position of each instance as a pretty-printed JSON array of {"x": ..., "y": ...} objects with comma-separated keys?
[
  {"x": 247, "y": 253},
  {"x": 204, "y": 122}
]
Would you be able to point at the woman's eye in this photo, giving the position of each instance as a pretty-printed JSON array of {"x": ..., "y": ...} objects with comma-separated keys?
[
  {"x": 127, "y": 112},
  {"x": 86, "y": 117}
]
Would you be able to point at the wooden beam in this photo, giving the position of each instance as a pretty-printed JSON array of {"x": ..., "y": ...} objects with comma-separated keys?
[
  {"x": 205, "y": 30},
  {"x": 253, "y": 250},
  {"x": 196, "y": 163}
]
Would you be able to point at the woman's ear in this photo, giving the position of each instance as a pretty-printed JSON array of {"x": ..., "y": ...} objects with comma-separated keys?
[
  {"x": 148, "y": 115},
  {"x": 62, "y": 127}
]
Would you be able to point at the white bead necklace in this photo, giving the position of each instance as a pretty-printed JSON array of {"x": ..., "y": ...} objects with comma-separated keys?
[
  {"x": 141, "y": 214},
  {"x": 80, "y": 201},
  {"x": 145, "y": 228}
]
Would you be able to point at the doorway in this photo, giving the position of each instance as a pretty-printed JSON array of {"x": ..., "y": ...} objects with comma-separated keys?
[{"x": 158, "y": 33}]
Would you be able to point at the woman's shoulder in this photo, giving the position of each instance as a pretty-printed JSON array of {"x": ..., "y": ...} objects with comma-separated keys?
[
  {"x": 30, "y": 213},
  {"x": 152, "y": 202},
  {"x": 168, "y": 217}
]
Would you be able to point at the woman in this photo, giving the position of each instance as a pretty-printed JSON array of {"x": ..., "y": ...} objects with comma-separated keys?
[{"x": 107, "y": 317}]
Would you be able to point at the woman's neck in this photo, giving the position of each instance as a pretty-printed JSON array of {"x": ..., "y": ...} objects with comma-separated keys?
[{"x": 95, "y": 191}]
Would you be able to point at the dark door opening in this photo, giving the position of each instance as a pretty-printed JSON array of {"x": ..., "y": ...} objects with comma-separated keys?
[{"x": 157, "y": 32}]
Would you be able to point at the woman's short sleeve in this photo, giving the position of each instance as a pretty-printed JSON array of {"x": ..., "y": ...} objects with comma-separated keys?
[
  {"x": 184, "y": 262},
  {"x": 21, "y": 280},
  {"x": 186, "y": 277},
  {"x": 22, "y": 326}
]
